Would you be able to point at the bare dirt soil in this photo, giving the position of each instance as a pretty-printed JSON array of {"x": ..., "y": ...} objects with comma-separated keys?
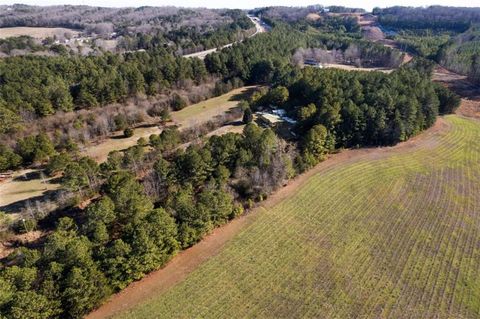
[
  {"x": 6, "y": 248},
  {"x": 354, "y": 68},
  {"x": 372, "y": 32},
  {"x": 457, "y": 83},
  {"x": 469, "y": 108},
  {"x": 313, "y": 17},
  {"x": 369, "y": 28},
  {"x": 470, "y": 92}
]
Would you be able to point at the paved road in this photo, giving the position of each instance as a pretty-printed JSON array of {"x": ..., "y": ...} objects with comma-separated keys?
[{"x": 260, "y": 27}]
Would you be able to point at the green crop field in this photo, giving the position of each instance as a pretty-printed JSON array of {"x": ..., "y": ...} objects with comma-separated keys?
[{"x": 392, "y": 233}]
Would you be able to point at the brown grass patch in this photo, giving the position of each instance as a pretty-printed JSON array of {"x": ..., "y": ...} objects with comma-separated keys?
[{"x": 34, "y": 32}]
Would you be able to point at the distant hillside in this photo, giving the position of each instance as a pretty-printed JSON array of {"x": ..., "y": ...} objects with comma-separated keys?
[
  {"x": 463, "y": 55},
  {"x": 434, "y": 17},
  {"x": 448, "y": 35},
  {"x": 80, "y": 17},
  {"x": 104, "y": 21}
]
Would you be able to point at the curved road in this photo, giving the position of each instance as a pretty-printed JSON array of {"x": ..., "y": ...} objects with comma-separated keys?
[{"x": 260, "y": 27}]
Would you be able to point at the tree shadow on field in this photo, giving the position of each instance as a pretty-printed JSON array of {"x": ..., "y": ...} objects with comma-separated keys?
[
  {"x": 235, "y": 123},
  {"x": 22, "y": 204},
  {"x": 245, "y": 94},
  {"x": 119, "y": 137},
  {"x": 27, "y": 176}
]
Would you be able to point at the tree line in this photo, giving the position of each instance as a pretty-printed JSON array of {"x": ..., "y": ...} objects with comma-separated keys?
[
  {"x": 258, "y": 59},
  {"x": 337, "y": 109},
  {"x": 454, "y": 19},
  {"x": 103, "y": 20},
  {"x": 182, "y": 30},
  {"x": 40, "y": 86},
  {"x": 462, "y": 54},
  {"x": 188, "y": 39}
]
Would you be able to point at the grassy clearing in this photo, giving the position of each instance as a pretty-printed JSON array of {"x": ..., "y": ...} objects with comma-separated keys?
[
  {"x": 21, "y": 186},
  {"x": 387, "y": 235},
  {"x": 188, "y": 117},
  {"x": 208, "y": 109},
  {"x": 100, "y": 151},
  {"x": 34, "y": 32}
]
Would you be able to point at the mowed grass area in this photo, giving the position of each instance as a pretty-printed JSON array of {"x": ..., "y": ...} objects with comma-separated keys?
[
  {"x": 22, "y": 185},
  {"x": 206, "y": 110},
  {"x": 99, "y": 152},
  {"x": 389, "y": 234},
  {"x": 190, "y": 116}
]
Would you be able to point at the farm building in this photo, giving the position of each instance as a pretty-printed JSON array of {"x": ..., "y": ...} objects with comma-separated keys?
[
  {"x": 269, "y": 119},
  {"x": 274, "y": 118}
]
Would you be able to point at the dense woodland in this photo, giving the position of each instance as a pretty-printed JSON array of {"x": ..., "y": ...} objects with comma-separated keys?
[
  {"x": 433, "y": 17},
  {"x": 462, "y": 55},
  {"x": 156, "y": 198},
  {"x": 183, "y": 30},
  {"x": 292, "y": 14},
  {"x": 101, "y": 20},
  {"x": 187, "y": 39},
  {"x": 25, "y": 43}
]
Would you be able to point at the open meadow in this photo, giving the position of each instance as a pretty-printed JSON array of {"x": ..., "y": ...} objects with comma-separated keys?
[
  {"x": 23, "y": 183},
  {"x": 35, "y": 32},
  {"x": 206, "y": 110},
  {"x": 377, "y": 233}
]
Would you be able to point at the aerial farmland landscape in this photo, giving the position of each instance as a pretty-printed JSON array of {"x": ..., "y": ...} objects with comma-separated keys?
[{"x": 256, "y": 161}]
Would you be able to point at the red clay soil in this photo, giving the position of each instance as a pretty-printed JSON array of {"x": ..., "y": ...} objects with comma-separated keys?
[
  {"x": 460, "y": 84},
  {"x": 7, "y": 247},
  {"x": 187, "y": 261},
  {"x": 372, "y": 32}
]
